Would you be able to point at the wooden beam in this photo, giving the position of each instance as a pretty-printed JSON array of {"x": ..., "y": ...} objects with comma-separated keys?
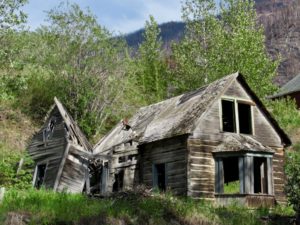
[
  {"x": 61, "y": 166},
  {"x": 242, "y": 175},
  {"x": 270, "y": 176}
]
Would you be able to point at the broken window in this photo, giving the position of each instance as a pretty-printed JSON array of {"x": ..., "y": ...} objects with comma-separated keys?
[
  {"x": 228, "y": 116},
  {"x": 118, "y": 184},
  {"x": 231, "y": 175},
  {"x": 236, "y": 121},
  {"x": 40, "y": 172},
  {"x": 260, "y": 175},
  {"x": 159, "y": 176},
  {"x": 244, "y": 174},
  {"x": 245, "y": 118},
  {"x": 47, "y": 132}
]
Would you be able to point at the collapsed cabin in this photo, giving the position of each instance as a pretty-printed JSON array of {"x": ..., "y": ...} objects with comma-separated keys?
[
  {"x": 61, "y": 153},
  {"x": 218, "y": 142}
]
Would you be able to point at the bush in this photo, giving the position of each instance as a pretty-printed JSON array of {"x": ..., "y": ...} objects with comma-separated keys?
[
  {"x": 285, "y": 112},
  {"x": 292, "y": 170},
  {"x": 9, "y": 163}
]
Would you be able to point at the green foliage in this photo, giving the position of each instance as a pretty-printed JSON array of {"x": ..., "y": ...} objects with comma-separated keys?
[
  {"x": 232, "y": 187},
  {"x": 47, "y": 207},
  {"x": 11, "y": 16},
  {"x": 292, "y": 170},
  {"x": 73, "y": 58},
  {"x": 9, "y": 162},
  {"x": 285, "y": 112},
  {"x": 215, "y": 46},
  {"x": 149, "y": 72},
  {"x": 10, "y": 13}
]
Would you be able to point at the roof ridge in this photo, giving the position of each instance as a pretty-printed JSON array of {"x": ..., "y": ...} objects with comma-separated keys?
[{"x": 79, "y": 134}]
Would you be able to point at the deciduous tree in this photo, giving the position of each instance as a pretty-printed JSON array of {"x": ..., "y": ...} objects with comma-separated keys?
[{"x": 222, "y": 40}]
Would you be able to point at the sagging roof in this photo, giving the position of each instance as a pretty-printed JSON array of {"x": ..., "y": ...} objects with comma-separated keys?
[
  {"x": 72, "y": 126},
  {"x": 177, "y": 116},
  {"x": 172, "y": 117},
  {"x": 290, "y": 87}
]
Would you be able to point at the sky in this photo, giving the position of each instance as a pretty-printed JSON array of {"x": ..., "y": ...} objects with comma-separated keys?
[{"x": 118, "y": 16}]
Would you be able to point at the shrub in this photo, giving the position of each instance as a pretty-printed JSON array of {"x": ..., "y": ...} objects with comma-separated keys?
[
  {"x": 9, "y": 163},
  {"x": 292, "y": 170},
  {"x": 285, "y": 113}
]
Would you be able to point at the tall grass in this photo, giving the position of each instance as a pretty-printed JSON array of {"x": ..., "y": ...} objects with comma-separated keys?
[{"x": 47, "y": 207}]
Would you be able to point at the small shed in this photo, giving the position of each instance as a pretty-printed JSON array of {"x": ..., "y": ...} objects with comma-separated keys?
[
  {"x": 290, "y": 89},
  {"x": 218, "y": 143},
  {"x": 61, "y": 153}
]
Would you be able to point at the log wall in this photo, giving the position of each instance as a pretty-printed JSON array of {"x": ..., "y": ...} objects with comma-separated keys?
[
  {"x": 201, "y": 168},
  {"x": 279, "y": 176}
]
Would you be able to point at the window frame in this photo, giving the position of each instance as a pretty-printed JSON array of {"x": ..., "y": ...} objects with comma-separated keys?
[
  {"x": 36, "y": 174},
  {"x": 155, "y": 176},
  {"x": 245, "y": 163},
  {"x": 236, "y": 101}
]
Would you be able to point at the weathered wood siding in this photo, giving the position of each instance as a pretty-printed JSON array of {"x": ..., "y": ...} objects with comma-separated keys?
[
  {"x": 210, "y": 122},
  {"x": 73, "y": 175},
  {"x": 172, "y": 152},
  {"x": 201, "y": 168},
  {"x": 207, "y": 135},
  {"x": 51, "y": 151},
  {"x": 279, "y": 176}
]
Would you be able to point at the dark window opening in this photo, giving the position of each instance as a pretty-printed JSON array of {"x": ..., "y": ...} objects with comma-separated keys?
[
  {"x": 40, "y": 175},
  {"x": 118, "y": 184},
  {"x": 228, "y": 116},
  {"x": 131, "y": 157},
  {"x": 245, "y": 118},
  {"x": 122, "y": 159},
  {"x": 160, "y": 176},
  {"x": 260, "y": 175},
  {"x": 231, "y": 175},
  {"x": 47, "y": 132},
  {"x": 95, "y": 179}
]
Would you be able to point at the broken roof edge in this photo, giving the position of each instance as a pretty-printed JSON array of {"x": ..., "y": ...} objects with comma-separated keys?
[
  {"x": 79, "y": 134},
  {"x": 283, "y": 136}
]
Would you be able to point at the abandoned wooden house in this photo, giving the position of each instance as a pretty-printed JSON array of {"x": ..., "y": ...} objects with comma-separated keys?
[
  {"x": 61, "y": 153},
  {"x": 291, "y": 89},
  {"x": 218, "y": 142}
]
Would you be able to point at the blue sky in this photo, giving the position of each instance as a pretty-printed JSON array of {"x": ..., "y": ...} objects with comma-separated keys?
[{"x": 123, "y": 16}]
